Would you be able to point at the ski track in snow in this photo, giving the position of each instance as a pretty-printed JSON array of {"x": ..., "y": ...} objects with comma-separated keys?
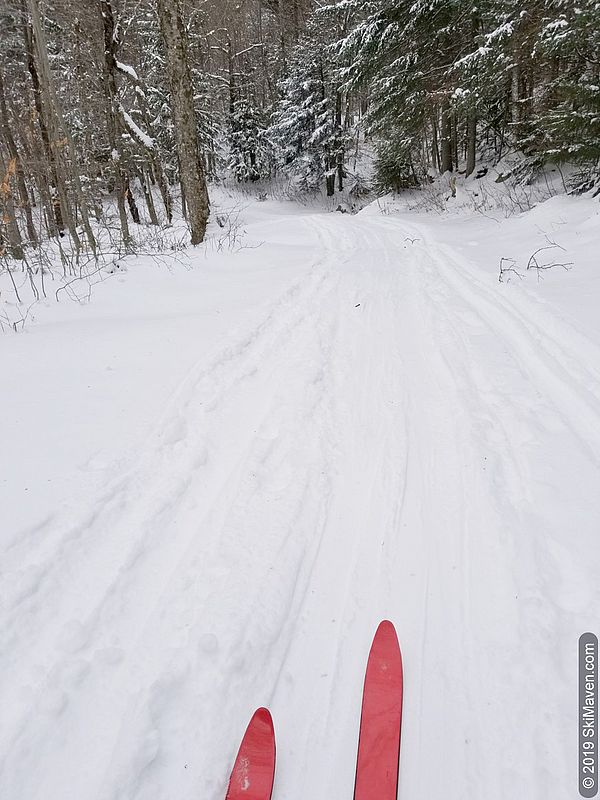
[{"x": 382, "y": 444}]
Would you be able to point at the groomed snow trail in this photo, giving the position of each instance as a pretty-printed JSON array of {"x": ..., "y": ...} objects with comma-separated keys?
[{"x": 396, "y": 437}]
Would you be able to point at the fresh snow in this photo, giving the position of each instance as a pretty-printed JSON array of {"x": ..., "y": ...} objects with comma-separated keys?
[
  {"x": 127, "y": 69},
  {"x": 136, "y": 131},
  {"x": 220, "y": 474}
]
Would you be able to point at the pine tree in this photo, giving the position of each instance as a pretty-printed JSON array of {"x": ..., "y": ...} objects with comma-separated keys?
[
  {"x": 309, "y": 127},
  {"x": 406, "y": 52},
  {"x": 250, "y": 157},
  {"x": 568, "y": 112}
]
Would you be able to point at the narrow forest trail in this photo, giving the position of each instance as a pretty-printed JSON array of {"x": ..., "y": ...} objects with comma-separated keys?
[{"x": 396, "y": 436}]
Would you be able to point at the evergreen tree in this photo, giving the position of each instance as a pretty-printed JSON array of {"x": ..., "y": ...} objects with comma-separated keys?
[
  {"x": 308, "y": 127},
  {"x": 406, "y": 52},
  {"x": 249, "y": 154},
  {"x": 567, "y": 115}
]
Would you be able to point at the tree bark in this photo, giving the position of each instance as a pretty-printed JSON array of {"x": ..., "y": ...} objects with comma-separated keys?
[
  {"x": 42, "y": 181},
  {"x": 191, "y": 169},
  {"x": 435, "y": 149},
  {"x": 9, "y": 220},
  {"x": 472, "y": 110},
  {"x": 339, "y": 141},
  {"x": 515, "y": 94},
  {"x": 57, "y": 125},
  {"x": 446, "y": 137},
  {"x": 55, "y": 220},
  {"x": 110, "y": 92},
  {"x": 471, "y": 141},
  {"x": 330, "y": 179},
  {"x": 147, "y": 190},
  {"x": 19, "y": 172}
]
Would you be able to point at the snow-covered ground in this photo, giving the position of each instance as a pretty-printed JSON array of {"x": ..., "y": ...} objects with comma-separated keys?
[{"x": 217, "y": 478}]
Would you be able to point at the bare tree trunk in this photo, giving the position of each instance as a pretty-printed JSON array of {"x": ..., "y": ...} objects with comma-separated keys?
[
  {"x": 147, "y": 190},
  {"x": 339, "y": 142},
  {"x": 283, "y": 49},
  {"x": 125, "y": 234},
  {"x": 515, "y": 94},
  {"x": 19, "y": 173},
  {"x": 133, "y": 209},
  {"x": 55, "y": 219},
  {"x": 231, "y": 77},
  {"x": 435, "y": 148},
  {"x": 472, "y": 112},
  {"x": 446, "y": 136},
  {"x": 471, "y": 141},
  {"x": 455, "y": 153},
  {"x": 56, "y": 114},
  {"x": 191, "y": 169},
  {"x": 159, "y": 174},
  {"x": 9, "y": 220},
  {"x": 110, "y": 91},
  {"x": 48, "y": 124},
  {"x": 42, "y": 181},
  {"x": 330, "y": 177},
  {"x": 56, "y": 125},
  {"x": 295, "y": 21}
]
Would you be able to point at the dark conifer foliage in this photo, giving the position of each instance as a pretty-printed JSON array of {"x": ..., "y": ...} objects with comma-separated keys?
[{"x": 448, "y": 79}]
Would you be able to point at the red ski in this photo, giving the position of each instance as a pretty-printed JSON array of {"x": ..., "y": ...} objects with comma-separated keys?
[
  {"x": 254, "y": 769},
  {"x": 381, "y": 719}
]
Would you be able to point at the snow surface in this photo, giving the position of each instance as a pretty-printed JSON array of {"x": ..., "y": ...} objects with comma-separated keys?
[{"x": 217, "y": 481}]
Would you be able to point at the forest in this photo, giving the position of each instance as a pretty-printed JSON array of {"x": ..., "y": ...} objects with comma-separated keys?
[{"x": 117, "y": 115}]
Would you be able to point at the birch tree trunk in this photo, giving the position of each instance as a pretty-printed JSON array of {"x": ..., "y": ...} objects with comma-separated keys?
[{"x": 191, "y": 169}]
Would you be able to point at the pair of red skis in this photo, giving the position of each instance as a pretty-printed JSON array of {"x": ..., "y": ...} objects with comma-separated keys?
[{"x": 378, "y": 741}]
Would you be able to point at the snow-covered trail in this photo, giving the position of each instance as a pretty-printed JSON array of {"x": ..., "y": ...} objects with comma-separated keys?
[{"x": 396, "y": 436}]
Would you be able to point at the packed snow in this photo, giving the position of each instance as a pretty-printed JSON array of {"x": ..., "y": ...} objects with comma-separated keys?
[{"x": 221, "y": 472}]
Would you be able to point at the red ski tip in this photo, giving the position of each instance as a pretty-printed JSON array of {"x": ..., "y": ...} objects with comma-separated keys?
[
  {"x": 381, "y": 719},
  {"x": 386, "y": 628},
  {"x": 254, "y": 768}
]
